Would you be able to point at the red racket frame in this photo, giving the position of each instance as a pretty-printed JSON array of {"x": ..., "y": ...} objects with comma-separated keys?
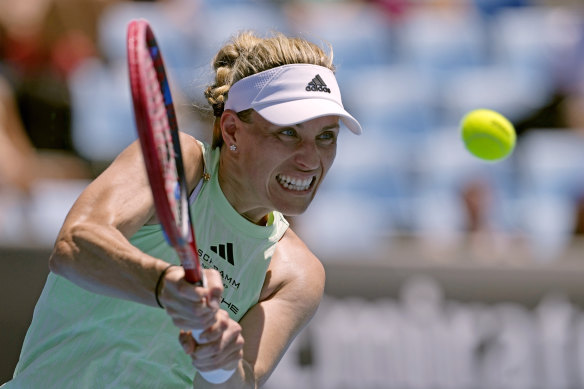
[{"x": 159, "y": 139}]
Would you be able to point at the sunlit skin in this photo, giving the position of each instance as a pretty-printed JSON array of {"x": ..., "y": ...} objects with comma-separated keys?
[{"x": 255, "y": 177}]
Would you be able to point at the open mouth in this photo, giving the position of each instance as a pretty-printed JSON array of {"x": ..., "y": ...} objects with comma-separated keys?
[{"x": 296, "y": 184}]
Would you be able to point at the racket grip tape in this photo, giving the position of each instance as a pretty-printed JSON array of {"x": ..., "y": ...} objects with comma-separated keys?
[{"x": 213, "y": 376}]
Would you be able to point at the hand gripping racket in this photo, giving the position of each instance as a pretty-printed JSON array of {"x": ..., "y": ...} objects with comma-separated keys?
[{"x": 159, "y": 138}]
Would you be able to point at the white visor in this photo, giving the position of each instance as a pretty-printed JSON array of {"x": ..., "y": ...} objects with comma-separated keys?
[{"x": 291, "y": 94}]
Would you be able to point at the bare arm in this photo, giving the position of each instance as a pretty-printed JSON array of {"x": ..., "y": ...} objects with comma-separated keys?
[
  {"x": 291, "y": 294},
  {"x": 92, "y": 248}
]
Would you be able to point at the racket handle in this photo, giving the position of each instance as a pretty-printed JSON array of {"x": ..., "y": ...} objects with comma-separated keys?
[{"x": 213, "y": 376}]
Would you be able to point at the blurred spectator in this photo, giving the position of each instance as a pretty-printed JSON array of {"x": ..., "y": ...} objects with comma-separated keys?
[
  {"x": 487, "y": 240},
  {"x": 477, "y": 200},
  {"x": 41, "y": 43},
  {"x": 15, "y": 156},
  {"x": 20, "y": 163},
  {"x": 29, "y": 208}
]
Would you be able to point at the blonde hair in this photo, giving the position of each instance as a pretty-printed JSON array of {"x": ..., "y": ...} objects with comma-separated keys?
[{"x": 248, "y": 54}]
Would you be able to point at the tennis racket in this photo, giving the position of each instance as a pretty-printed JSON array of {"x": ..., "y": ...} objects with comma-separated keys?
[{"x": 159, "y": 138}]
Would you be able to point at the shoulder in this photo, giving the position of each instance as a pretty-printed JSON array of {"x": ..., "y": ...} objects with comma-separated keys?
[
  {"x": 192, "y": 151},
  {"x": 294, "y": 272},
  {"x": 190, "y": 146}
]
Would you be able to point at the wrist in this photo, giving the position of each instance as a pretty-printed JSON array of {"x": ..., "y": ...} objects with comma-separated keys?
[{"x": 160, "y": 285}]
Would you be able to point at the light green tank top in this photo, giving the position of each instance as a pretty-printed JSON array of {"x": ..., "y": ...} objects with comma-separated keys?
[{"x": 78, "y": 339}]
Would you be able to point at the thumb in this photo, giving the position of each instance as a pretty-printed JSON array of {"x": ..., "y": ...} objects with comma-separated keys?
[{"x": 214, "y": 287}]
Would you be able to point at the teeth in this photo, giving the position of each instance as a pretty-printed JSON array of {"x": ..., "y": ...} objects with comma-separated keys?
[{"x": 295, "y": 183}]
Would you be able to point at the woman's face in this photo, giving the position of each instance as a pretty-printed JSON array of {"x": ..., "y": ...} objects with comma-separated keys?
[{"x": 283, "y": 165}]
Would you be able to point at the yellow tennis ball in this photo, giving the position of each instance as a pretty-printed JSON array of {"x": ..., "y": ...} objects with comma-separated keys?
[{"x": 488, "y": 135}]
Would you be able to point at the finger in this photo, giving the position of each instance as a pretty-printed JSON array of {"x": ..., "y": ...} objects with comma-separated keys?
[
  {"x": 187, "y": 342},
  {"x": 228, "y": 358},
  {"x": 198, "y": 296},
  {"x": 228, "y": 362},
  {"x": 190, "y": 314},
  {"x": 215, "y": 330},
  {"x": 214, "y": 288},
  {"x": 175, "y": 276},
  {"x": 231, "y": 340},
  {"x": 190, "y": 321},
  {"x": 175, "y": 290}
]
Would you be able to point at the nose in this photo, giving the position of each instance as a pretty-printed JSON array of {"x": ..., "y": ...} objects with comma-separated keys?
[{"x": 307, "y": 156}]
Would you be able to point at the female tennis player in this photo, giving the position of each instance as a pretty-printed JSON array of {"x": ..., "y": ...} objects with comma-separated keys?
[{"x": 99, "y": 322}]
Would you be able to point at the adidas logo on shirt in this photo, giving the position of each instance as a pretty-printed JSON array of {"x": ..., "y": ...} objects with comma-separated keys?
[
  {"x": 225, "y": 251},
  {"x": 317, "y": 84}
]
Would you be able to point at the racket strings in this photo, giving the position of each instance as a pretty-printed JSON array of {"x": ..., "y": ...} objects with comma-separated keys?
[
  {"x": 156, "y": 107},
  {"x": 159, "y": 137}
]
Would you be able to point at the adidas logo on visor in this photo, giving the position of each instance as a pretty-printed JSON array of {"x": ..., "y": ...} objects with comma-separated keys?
[{"x": 317, "y": 84}]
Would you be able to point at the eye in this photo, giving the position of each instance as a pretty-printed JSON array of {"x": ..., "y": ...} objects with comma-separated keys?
[
  {"x": 288, "y": 132},
  {"x": 327, "y": 136}
]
